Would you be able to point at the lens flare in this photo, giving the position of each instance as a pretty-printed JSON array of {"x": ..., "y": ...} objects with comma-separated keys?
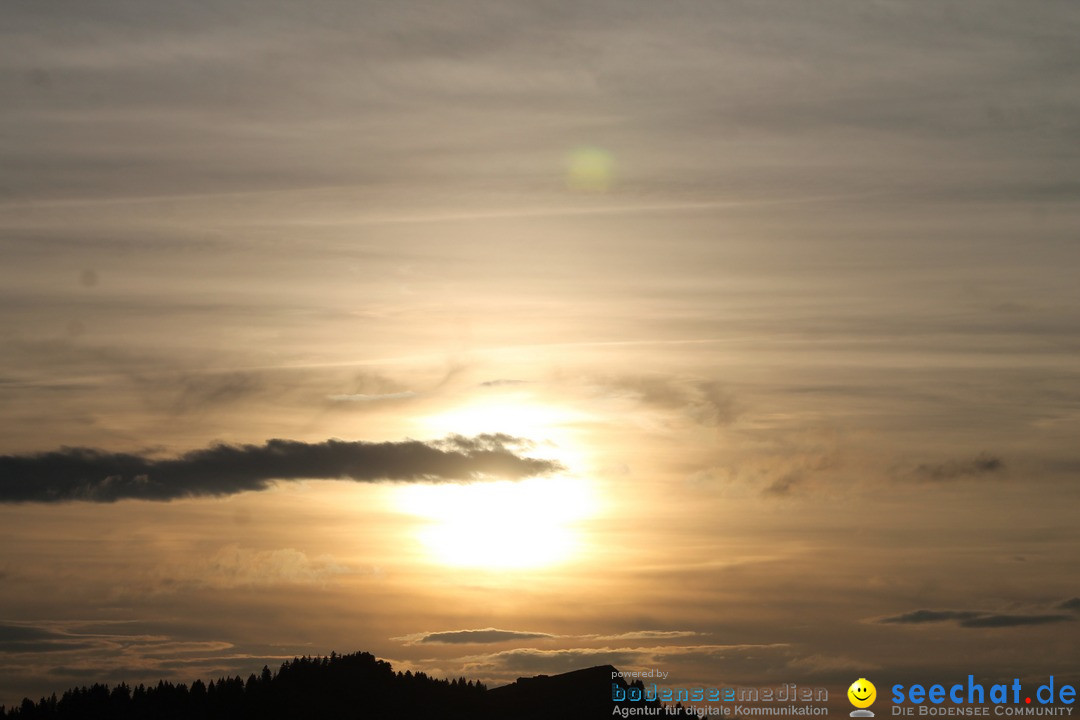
[{"x": 589, "y": 169}]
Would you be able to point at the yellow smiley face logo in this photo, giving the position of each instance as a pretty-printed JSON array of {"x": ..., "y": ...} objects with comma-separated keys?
[{"x": 862, "y": 693}]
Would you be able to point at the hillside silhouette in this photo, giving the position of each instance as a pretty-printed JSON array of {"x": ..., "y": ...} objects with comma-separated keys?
[{"x": 338, "y": 686}]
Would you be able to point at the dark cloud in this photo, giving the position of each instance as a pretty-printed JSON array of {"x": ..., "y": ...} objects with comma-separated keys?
[
  {"x": 1070, "y": 604},
  {"x": 22, "y": 633},
  {"x": 930, "y": 616},
  {"x": 488, "y": 635},
  {"x": 979, "y": 466},
  {"x": 973, "y": 618},
  {"x": 1001, "y": 621},
  {"x": 94, "y": 674},
  {"x": 99, "y": 476},
  {"x": 495, "y": 442},
  {"x": 29, "y": 639},
  {"x": 783, "y": 485},
  {"x": 45, "y": 646}
]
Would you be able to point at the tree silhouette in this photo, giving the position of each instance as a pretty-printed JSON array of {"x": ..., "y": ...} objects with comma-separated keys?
[{"x": 337, "y": 686}]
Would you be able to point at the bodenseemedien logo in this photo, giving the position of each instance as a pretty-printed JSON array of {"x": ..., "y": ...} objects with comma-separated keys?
[{"x": 862, "y": 695}]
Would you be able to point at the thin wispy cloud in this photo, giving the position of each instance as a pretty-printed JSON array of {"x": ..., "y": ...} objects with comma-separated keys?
[
  {"x": 1007, "y": 621},
  {"x": 234, "y": 566},
  {"x": 362, "y": 398},
  {"x": 705, "y": 402},
  {"x": 974, "y": 618},
  {"x": 483, "y": 636},
  {"x": 564, "y": 659},
  {"x": 495, "y": 635},
  {"x": 644, "y": 635}
]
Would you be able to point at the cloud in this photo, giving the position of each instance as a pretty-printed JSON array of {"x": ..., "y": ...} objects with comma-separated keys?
[
  {"x": 494, "y": 635},
  {"x": 196, "y": 392},
  {"x": 483, "y": 442},
  {"x": 784, "y": 484},
  {"x": 28, "y": 638},
  {"x": 917, "y": 617},
  {"x": 362, "y": 398},
  {"x": 19, "y": 633},
  {"x": 41, "y": 654},
  {"x": 973, "y": 618},
  {"x": 1001, "y": 621},
  {"x": 979, "y": 466},
  {"x": 484, "y": 636},
  {"x": 535, "y": 660},
  {"x": 233, "y": 566},
  {"x": 63, "y": 637},
  {"x": 794, "y": 472},
  {"x": 98, "y": 476},
  {"x": 645, "y": 635},
  {"x": 1070, "y": 604},
  {"x": 703, "y": 401},
  {"x": 371, "y": 387}
]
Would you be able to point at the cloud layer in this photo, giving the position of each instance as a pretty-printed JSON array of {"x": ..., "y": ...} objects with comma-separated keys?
[
  {"x": 495, "y": 635},
  {"x": 98, "y": 476},
  {"x": 974, "y": 618},
  {"x": 978, "y": 466},
  {"x": 487, "y": 635}
]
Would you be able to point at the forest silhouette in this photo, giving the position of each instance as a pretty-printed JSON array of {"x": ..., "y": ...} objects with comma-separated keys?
[{"x": 338, "y": 686}]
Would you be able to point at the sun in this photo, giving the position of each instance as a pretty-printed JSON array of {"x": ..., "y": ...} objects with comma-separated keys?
[
  {"x": 503, "y": 524},
  {"x": 500, "y": 525}
]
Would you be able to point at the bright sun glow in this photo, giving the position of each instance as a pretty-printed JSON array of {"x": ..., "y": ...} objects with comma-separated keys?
[
  {"x": 500, "y": 525},
  {"x": 503, "y": 524}
]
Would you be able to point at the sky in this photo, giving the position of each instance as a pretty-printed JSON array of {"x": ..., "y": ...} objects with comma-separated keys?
[{"x": 732, "y": 339}]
